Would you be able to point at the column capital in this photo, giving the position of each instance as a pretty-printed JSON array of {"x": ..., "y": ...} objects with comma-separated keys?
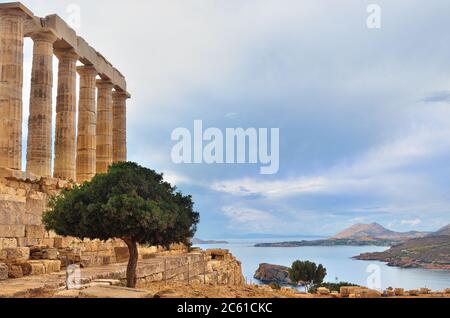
[
  {"x": 120, "y": 94},
  {"x": 87, "y": 70},
  {"x": 66, "y": 53},
  {"x": 107, "y": 84},
  {"x": 44, "y": 36}
]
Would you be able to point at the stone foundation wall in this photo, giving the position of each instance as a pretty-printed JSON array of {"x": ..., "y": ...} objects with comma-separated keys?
[
  {"x": 23, "y": 239},
  {"x": 201, "y": 267}
]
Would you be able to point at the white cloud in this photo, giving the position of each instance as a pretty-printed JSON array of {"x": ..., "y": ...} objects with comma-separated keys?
[
  {"x": 176, "y": 179},
  {"x": 382, "y": 169},
  {"x": 412, "y": 222},
  {"x": 249, "y": 219}
]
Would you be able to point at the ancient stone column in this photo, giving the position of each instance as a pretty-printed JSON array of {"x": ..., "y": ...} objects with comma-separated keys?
[
  {"x": 104, "y": 126},
  {"x": 39, "y": 147},
  {"x": 11, "y": 83},
  {"x": 87, "y": 123},
  {"x": 119, "y": 126},
  {"x": 65, "y": 139}
]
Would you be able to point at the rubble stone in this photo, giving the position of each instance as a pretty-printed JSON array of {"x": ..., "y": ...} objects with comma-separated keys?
[{"x": 3, "y": 271}]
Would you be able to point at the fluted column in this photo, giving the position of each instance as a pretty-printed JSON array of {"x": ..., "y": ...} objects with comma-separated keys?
[
  {"x": 119, "y": 126},
  {"x": 39, "y": 147},
  {"x": 87, "y": 123},
  {"x": 11, "y": 84},
  {"x": 104, "y": 126},
  {"x": 65, "y": 139}
]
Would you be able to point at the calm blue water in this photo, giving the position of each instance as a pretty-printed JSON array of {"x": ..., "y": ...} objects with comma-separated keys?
[{"x": 338, "y": 262}]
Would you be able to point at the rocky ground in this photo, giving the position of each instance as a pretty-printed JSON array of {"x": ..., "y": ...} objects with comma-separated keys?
[
  {"x": 190, "y": 291},
  {"x": 180, "y": 290}
]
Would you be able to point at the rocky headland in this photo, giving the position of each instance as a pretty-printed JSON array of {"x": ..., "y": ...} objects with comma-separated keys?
[
  {"x": 269, "y": 273},
  {"x": 431, "y": 252},
  {"x": 197, "y": 241}
]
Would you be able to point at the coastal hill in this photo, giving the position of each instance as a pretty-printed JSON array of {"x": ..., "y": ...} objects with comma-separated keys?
[
  {"x": 375, "y": 231},
  {"x": 197, "y": 241},
  {"x": 444, "y": 231},
  {"x": 431, "y": 251},
  {"x": 356, "y": 235}
]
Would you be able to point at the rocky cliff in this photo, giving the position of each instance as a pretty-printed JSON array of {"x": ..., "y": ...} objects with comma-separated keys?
[
  {"x": 432, "y": 252},
  {"x": 269, "y": 273}
]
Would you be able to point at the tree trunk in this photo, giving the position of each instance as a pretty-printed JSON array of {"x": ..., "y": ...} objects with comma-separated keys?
[{"x": 132, "y": 262}]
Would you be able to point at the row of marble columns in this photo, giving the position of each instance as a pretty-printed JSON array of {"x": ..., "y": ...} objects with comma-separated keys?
[{"x": 80, "y": 152}]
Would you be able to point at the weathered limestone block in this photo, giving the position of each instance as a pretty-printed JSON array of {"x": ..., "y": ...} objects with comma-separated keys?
[
  {"x": 27, "y": 242},
  {"x": 36, "y": 268},
  {"x": 15, "y": 271},
  {"x": 31, "y": 219},
  {"x": 12, "y": 231},
  {"x": 48, "y": 242},
  {"x": 3, "y": 271},
  {"x": 48, "y": 266},
  {"x": 414, "y": 292},
  {"x": 367, "y": 293},
  {"x": 425, "y": 291},
  {"x": 10, "y": 213},
  {"x": 42, "y": 252},
  {"x": 26, "y": 268},
  {"x": 65, "y": 242},
  {"x": 35, "y": 231},
  {"x": 7, "y": 243},
  {"x": 345, "y": 291},
  {"x": 399, "y": 292},
  {"x": 69, "y": 255},
  {"x": 15, "y": 254},
  {"x": 39, "y": 148},
  {"x": 36, "y": 203},
  {"x": 65, "y": 139}
]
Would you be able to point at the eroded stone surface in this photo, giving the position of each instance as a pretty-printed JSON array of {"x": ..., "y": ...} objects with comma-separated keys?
[
  {"x": 113, "y": 292},
  {"x": 11, "y": 83},
  {"x": 65, "y": 138},
  {"x": 87, "y": 123},
  {"x": 39, "y": 147},
  {"x": 104, "y": 126}
]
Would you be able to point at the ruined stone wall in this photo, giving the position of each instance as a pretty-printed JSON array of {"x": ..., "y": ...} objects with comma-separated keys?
[
  {"x": 23, "y": 199},
  {"x": 212, "y": 267}
]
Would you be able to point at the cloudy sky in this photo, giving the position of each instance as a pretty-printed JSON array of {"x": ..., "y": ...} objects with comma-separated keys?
[{"x": 364, "y": 114}]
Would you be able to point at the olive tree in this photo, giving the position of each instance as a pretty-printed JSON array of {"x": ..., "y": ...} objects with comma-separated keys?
[{"x": 129, "y": 202}]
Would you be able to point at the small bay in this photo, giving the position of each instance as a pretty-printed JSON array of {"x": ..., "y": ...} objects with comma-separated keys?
[{"x": 337, "y": 260}]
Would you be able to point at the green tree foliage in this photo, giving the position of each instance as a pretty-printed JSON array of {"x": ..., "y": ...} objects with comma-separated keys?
[
  {"x": 307, "y": 273},
  {"x": 129, "y": 202}
]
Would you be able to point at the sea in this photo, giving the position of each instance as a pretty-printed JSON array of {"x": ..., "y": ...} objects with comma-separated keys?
[{"x": 338, "y": 261}]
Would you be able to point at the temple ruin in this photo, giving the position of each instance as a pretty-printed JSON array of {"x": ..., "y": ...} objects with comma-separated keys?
[
  {"x": 100, "y": 137},
  {"x": 90, "y": 134}
]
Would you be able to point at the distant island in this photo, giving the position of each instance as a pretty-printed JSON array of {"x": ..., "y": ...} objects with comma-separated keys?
[
  {"x": 430, "y": 252},
  {"x": 328, "y": 242},
  {"x": 197, "y": 241},
  {"x": 357, "y": 235}
]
